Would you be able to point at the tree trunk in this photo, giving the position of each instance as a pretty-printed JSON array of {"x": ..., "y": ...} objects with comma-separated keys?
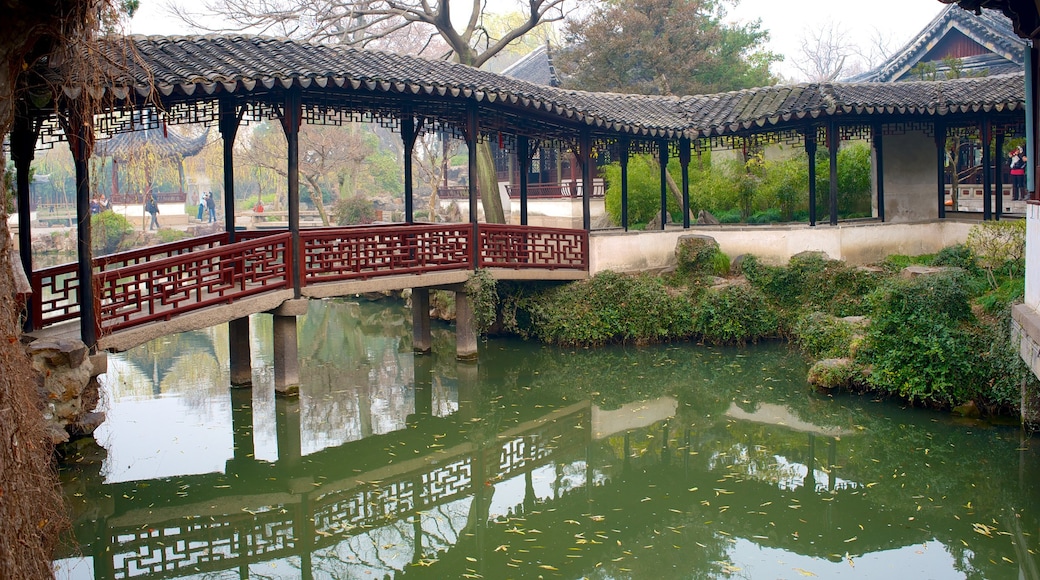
[
  {"x": 315, "y": 192},
  {"x": 487, "y": 185}
]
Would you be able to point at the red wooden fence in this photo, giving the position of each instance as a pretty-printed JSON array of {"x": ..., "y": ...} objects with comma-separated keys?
[{"x": 160, "y": 282}]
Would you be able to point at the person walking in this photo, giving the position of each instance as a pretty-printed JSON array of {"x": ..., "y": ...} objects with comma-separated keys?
[{"x": 152, "y": 207}]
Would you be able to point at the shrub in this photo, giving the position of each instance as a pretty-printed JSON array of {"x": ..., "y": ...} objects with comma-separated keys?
[
  {"x": 957, "y": 256},
  {"x": 999, "y": 245},
  {"x": 607, "y": 308},
  {"x": 821, "y": 335},
  {"x": 481, "y": 288},
  {"x": 919, "y": 344},
  {"x": 354, "y": 210},
  {"x": 812, "y": 282},
  {"x": 108, "y": 230},
  {"x": 734, "y": 314}
]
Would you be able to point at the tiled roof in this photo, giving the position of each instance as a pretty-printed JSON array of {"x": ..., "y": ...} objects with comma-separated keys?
[
  {"x": 183, "y": 69},
  {"x": 988, "y": 29},
  {"x": 536, "y": 67}
]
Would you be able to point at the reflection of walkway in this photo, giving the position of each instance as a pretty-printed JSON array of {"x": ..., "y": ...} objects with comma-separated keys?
[
  {"x": 288, "y": 508},
  {"x": 781, "y": 416}
]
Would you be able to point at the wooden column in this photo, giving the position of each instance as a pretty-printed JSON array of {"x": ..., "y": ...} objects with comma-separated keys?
[
  {"x": 987, "y": 178},
  {"x": 684, "y": 161},
  {"x": 624, "y": 145},
  {"x": 409, "y": 132},
  {"x": 524, "y": 154},
  {"x": 472, "y": 137},
  {"x": 879, "y": 166},
  {"x": 80, "y": 132},
  {"x": 940, "y": 165},
  {"x": 586, "y": 178},
  {"x": 662, "y": 157},
  {"x": 833, "y": 142},
  {"x": 998, "y": 164},
  {"x": 810, "y": 151},
  {"x": 291, "y": 118},
  {"x": 228, "y": 124},
  {"x": 24, "y": 134}
]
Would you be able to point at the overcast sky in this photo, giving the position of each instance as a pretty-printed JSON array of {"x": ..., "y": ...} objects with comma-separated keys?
[{"x": 788, "y": 22}]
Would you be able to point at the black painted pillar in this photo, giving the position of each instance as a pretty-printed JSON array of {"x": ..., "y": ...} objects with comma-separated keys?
[
  {"x": 472, "y": 137},
  {"x": 24, "y": 134},
  {"x": 524, "y": 153},
  {"x": 987, "y": 178},
  {"x": 998, "y": 165},
  {"x": 940, "y": 165},
  {"x": 291, "y": 119},
  {"x": 409, "y": 132},
  {"x": 624, "y": 145},
  {"x": 586, "y": 178},
  {"x": 879, "y": 165},
  {"x": 81, "y": 141},
  {"x": 229, "y": 121},
  {"x": 810, "y": 152},
  {"x": 684, "y": 161},
  {"x": 833, "y": 142},
  {"x": 662, "y": 157}
]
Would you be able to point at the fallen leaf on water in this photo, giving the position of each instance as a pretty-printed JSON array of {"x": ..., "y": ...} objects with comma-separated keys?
[{"x": 803, "y": 572}]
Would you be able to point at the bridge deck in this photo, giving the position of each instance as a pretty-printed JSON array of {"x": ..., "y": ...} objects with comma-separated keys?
[{"x": 191, "y": 284}]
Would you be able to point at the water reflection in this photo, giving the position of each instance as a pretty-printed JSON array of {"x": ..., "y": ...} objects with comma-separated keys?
[{"x": 613, "y": 463}]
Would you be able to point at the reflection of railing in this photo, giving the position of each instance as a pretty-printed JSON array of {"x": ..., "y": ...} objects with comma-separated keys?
[
  {"x": 160, "y": 282},
  {"x": 295, "y": 524}
]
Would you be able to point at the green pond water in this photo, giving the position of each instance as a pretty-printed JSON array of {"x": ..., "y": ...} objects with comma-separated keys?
[{"x": 672, "y": 461}]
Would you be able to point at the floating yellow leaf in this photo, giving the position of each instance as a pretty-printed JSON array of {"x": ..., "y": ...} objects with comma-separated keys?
[{"x": 803, "y": 572}]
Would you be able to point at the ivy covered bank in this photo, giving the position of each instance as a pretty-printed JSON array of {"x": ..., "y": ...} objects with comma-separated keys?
[{"x": 933, "y": 330}]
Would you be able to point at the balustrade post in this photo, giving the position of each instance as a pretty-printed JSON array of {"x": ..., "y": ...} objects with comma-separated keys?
[{"x": 422, "y": 342}]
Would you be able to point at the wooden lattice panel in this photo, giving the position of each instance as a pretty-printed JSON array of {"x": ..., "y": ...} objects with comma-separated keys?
[{"x": 503, "y": 246}]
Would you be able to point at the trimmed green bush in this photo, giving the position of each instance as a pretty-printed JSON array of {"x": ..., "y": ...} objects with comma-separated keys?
[
  {"x": 108, "y": 230},
  {"x": 734, "y": 314},
  {"x": 821, "y": 335}
]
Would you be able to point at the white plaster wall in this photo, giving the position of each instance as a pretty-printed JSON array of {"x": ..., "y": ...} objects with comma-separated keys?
[
  {"x": 1032, "y": 298},
  {"x": 911, "y": 183},
  {"x": 856, "y": 244}
]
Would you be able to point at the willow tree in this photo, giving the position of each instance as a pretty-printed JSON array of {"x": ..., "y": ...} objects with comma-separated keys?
[{"x": 423, "y": 27}]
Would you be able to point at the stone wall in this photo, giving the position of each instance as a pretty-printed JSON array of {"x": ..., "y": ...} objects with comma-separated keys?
[{"x": 68, "y": 386}]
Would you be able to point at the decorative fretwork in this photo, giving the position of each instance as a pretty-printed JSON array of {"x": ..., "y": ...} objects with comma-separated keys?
[{"x": 904, "y": 127}]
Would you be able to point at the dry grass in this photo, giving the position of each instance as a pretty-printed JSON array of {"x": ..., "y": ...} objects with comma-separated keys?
[{"x": 31, "y": 505}]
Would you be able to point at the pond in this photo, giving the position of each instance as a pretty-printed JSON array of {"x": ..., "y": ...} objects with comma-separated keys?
[{"x": 671, "y": 461}]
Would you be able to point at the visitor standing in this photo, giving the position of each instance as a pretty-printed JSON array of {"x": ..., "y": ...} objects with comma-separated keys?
[
  {"x": 211, "y": 205},
  {"x": 152, "y": 207},
  {"x": 1018, "y": 174},
  {"x": 202, "y": 206}
]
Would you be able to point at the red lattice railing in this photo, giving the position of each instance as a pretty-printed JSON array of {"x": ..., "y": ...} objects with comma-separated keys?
[
  {"x": 160, "y": 282},
  {"x": 161, "y": 289},
  {"x": 334, "y": 254},
  {"x": 504, "y": 246}
]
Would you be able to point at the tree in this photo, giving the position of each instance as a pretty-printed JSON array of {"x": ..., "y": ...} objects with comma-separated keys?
[{"x": 667, "y": 47}]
